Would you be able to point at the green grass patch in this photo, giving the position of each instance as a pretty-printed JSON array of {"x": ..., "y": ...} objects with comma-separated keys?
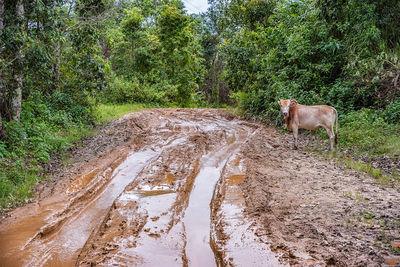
[
  {"x": 392, "y": 145},
  {"x": 74, "y": 134},
  {"x": 16, "y": 185},
  {"x": 378, "y": 174},
  {"x": 109, "y": 112}
]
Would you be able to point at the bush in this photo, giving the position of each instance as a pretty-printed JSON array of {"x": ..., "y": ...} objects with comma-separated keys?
[
  {"x": 259, "y": 104},
  {"x": 364, "y": 131},
  {"x": 48, "y": 125},
  {"x": 120, "y": 90},
  {"x": 70, "y": 108},
  {"x": 392, "y": 112}
]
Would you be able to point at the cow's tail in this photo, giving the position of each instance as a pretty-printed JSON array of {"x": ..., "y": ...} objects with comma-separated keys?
[{"x": 337, "y": 124}]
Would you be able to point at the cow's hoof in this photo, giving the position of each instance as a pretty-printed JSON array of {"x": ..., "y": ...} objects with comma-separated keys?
[{"x": 295, "y": 148}]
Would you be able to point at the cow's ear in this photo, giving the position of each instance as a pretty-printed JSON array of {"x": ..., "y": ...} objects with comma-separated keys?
[
  {"x": 279, "y": 102},
  {"x": 293, "y": 102}
]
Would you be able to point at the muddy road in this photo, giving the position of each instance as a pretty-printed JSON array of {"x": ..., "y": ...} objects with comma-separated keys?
[{"x": 200, "y": 187}]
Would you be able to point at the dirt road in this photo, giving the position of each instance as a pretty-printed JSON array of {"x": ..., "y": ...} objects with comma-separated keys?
[{"x": 199, "y": 187}]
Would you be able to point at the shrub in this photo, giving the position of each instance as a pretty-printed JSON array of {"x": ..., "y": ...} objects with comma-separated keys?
[
  {"x": 363, "y": 131},
  {"x": 392, "y": 112},
  {"x": 121, "y": 90}
]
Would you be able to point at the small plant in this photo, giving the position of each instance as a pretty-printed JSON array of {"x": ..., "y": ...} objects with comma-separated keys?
[
  {"x": 367, "y": 215},
  {"x": 358, "y": 197}
]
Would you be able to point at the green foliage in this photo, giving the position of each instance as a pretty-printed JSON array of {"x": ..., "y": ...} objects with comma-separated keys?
[
  {"x": 132, "y": 24},
  {"x": 56, "y": 110},
  {"x": 16, "y": 184},
  {"x": 92, "y": 7},
  {"x": 392, "y": 112},
  {"x": 366, "y": 131},
  {"x": 293, "y": 57},
  {"x": 121, "y": 90},
  {"x": 157, "y": 56},
  {"x": 42, "y": 131},
  {"x": 317, "y": 53}
]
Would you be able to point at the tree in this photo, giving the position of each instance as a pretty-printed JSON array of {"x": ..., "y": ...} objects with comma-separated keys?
[
  {"x": 17, "y": 94},
  {"x": 131, "y": 27},
  {"x": 180, "y": 51},
  {"x": 2, "y": 95},
  {"x": 57, "y": 49}
]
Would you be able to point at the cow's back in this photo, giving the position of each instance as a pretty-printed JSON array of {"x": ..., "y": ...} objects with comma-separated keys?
[{"x": 314, "y": 117}]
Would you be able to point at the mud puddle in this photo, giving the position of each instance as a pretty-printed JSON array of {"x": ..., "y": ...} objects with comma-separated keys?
[
  {"x": 197, "y": 219},
  {"x": 61, "y": 237},
  {"x": 150, "y": 206},
  {"x": 234, "y": 237}
]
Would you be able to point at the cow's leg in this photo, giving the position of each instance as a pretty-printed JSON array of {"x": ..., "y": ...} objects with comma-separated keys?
[
  {"x": 311, "y": 139},
  {"x": 329, "y": 131},
  {"x": 295, "y": 135}
]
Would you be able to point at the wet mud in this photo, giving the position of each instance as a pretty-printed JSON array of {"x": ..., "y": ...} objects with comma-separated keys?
[
  {"x": 200, "y": 187},
  {"x": 316, "y": 212}
]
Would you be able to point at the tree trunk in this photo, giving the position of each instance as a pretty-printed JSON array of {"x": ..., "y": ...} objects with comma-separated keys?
[
  {"x": 17, "y": 98},
  {"x": 1, "y": 74},
  {"x": 105, "y": 48},
  {"x": 1, "y": 18},
  {"x": 1, "y": 125},
  {"x": 17, "y": 95},
  {"x": 155, "y": 5},
  {"x": 57, "y": 52}
]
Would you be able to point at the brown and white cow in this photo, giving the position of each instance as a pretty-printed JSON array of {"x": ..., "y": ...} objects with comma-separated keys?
[{"x": 309, "y": 117}]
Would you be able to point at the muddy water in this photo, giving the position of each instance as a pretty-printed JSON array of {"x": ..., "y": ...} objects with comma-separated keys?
[
  {"x": 392, "y": 261},
  {"x": 197, "y": 219},
  {"x": 63, "y": 245},
  {"x": 234, "y": 237},
  {"x": 151, "y": 246},
  {"x": 149, "y": 208},
  {"x": 82, "y": 181},
  {"x": 197, "y": 216}
]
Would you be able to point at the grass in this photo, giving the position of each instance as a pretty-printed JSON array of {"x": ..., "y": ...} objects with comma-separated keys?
[
  {"x": 23, "y": 191},
  {"x": 378, "y": 174},
  {"x": 365, "y": 133},
  {"x": 109, "y": 112},
  {"x": 392, "y": 145}
]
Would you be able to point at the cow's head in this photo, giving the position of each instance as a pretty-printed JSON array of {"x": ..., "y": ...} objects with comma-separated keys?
[{"x": 285, "y": 105}]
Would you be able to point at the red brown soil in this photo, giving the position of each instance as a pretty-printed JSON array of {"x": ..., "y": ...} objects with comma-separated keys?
[
  {"x": 135, "y": 195},
  {"x": 315, "y": 211}
]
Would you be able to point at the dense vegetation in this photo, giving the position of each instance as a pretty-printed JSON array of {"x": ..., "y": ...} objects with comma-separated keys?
[
  {"x": 60, "y": 59},
  {"x": 345, "y": 54}
]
